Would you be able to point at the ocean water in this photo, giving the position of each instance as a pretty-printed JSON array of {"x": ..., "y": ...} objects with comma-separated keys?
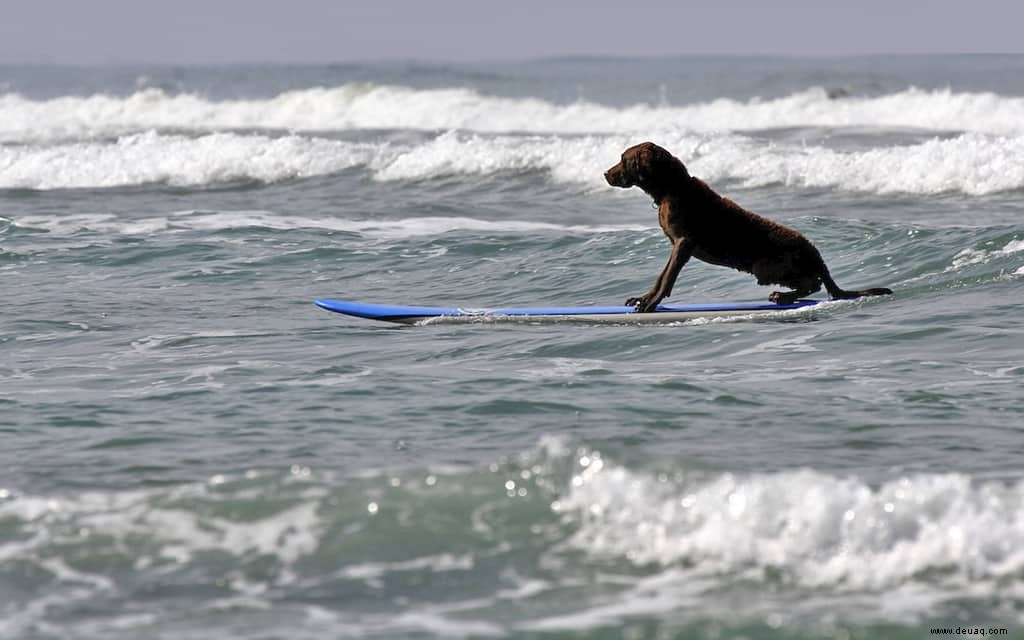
[{"x": 191, "y": 449}]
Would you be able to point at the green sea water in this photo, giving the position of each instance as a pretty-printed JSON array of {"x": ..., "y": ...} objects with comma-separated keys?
[{"x": 190, "y": 448}]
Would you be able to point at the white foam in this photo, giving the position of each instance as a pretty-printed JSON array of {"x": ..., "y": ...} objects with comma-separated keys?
[
  {"x": 439, "y": 625},
  {"x": 806, "y": 528},
  {"x": 971, "y": 163},
  {"x": 178, "y": 160},
  {"x": 972, "y": 256},
  {"x": 370, "y": 106},
  {"x": 567, "y": 160},
  {"x": 288, "y": 534},
  {"x": 228, "y": 220},
  {"x": 803, "y": 539},
  {"x": 434, "y": 563}
]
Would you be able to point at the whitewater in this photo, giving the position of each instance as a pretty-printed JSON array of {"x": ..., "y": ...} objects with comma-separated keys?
[
  {"x": 961, "y": 142},
  {"x": 370, "y": 106},
  {"x": 191, "y": 448}
]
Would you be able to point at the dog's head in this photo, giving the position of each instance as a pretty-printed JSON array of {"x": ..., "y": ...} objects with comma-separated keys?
[{"x": 647, "y": 166}]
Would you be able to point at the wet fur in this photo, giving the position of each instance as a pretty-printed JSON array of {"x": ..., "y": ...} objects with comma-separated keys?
[{"x": 702, "y": 224}]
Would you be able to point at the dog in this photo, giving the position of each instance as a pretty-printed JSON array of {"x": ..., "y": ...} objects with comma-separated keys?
[{"x": 702, "y": 224}]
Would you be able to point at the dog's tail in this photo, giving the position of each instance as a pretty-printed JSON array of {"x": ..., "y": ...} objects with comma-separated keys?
[{"x": 838, "y": 293}]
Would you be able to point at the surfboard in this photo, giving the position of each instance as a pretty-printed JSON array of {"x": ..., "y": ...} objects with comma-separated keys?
[{"x": 612, "y": 314}]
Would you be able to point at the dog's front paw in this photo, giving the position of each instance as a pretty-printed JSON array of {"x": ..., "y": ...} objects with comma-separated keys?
[
  {"x": 643, "y": 304},
  {"x": 647, "y": 306}
]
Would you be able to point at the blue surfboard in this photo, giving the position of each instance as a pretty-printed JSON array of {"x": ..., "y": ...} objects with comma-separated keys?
[{"x": 621, "y": 314}]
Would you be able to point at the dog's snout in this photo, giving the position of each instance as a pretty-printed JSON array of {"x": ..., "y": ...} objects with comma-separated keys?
[{"x": 613, "y": 176}]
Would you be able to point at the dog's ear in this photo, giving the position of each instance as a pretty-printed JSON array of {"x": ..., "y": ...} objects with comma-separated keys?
[
  {"x": 635, "y": 164},
  {"x": 663, "y": 163},
  {"x": 641, "y": 174}
]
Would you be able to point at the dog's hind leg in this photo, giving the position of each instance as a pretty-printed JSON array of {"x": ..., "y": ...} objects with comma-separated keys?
[{"x": 789, "y": 297}]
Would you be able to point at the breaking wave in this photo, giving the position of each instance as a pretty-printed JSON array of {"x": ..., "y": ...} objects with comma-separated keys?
[
  {"x": 557, "y": 514},
  {"x": 371, "y": 106},
  {"x": 971, "y": 163}
]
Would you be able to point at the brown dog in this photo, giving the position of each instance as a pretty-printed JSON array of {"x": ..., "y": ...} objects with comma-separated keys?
[{"x": 703, "y": 224}]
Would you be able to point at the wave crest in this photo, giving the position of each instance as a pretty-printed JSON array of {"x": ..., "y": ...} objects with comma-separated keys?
[
  {"x": 973, "y": 164},
  {"x": 803, "y": 527},
  {"x": 369, "y": 106}
]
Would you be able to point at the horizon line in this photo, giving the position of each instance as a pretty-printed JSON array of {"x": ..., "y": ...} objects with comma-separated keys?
[{"x": 440, "y": 60}]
